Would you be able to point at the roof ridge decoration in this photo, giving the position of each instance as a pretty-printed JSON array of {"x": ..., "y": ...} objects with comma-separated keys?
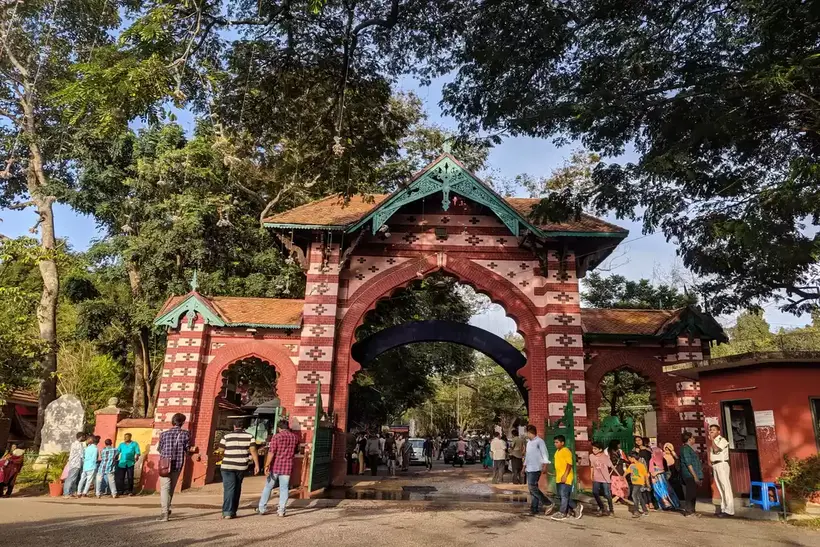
[
  {"x": 446, "y": 174},
  {"x": 193, "y": 304}
]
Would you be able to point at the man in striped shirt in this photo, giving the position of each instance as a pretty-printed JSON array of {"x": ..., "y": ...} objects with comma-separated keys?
[{"x": 238, "y": 451}]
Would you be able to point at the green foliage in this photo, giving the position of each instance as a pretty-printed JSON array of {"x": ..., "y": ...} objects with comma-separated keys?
[
  {"x": 625, "y": 394},
  {"x": 92, "y": 377},
  {"x": 20, "y": 345},
  {"x": 616, "y": 291},
  {"x": 802, "y": 476},
  {"x": 402, "y": 378},
  {"x": 752, "y": 333},
  {"x": 717, "y": 99}
]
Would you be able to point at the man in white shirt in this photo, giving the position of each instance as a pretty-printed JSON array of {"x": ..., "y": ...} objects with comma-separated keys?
[
  {"x": 498, "y": 451},
  {"x": 536, "y": 460},
  {"x": 719, "y": 458}
]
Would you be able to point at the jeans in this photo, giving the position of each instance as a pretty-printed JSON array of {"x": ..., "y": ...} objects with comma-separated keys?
[
  {"x": 166, "y": 490},
  {"x": 597, "y": 488},
  {"x": 86, "y": 480},
  {"x": 98, "y": 488},
  {"x": 429, "y": 461},
  {"x": 565, "y": 492},
  {"x": 638, "y": 498},
  {"x": 517, "y": 464},
  {"x": 125, "y": 479},
  {"x": 71, "y": 481},
  {"x": 690, "y": 493},
  {"x": 537, "y": 497},
  {"x": 270, "y": 484},
  {"x": 498, "y": 470},
  {"x": 231, "y": 491}
]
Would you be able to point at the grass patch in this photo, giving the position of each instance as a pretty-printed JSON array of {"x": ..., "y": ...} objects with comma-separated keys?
[{"x": 812, "y": 524}]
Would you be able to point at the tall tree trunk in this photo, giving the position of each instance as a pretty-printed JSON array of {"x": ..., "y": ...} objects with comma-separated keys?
[
  {"x": 138, "y": 398},
  {"x": 47, "y": 308},
  {"x": 143, "y": 396}
]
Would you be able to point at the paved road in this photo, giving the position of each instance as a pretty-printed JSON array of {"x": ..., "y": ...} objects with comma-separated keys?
[{"x": 130, "y": 522}]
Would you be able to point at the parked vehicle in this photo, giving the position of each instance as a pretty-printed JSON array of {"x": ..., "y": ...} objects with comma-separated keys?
[{"x": 417, "y": 452}]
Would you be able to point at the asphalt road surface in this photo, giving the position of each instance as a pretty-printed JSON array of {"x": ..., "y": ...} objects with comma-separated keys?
[{"x": 131, "y": 522}]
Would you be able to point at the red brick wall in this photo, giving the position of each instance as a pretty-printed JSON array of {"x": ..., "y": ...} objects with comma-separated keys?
[
  {"x": 784, "y": 389},
  {"x": 645, "y": 361}
]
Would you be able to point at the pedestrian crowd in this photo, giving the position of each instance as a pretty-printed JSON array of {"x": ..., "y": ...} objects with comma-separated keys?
[
  {"x": 109, "y": 469},
  {"x": 394, "y": 451}
]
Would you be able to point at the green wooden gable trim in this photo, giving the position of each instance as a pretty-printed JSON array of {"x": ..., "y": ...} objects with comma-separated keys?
[
  {"x": 446, "y": 176},
  {"x": 190, "y": 306}
]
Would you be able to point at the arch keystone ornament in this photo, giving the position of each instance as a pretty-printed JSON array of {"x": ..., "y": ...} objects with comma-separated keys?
[{"x": 358, "y": 250}]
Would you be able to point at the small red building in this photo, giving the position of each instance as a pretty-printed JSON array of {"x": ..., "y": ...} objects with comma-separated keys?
[{"x": 767, "y": 404}]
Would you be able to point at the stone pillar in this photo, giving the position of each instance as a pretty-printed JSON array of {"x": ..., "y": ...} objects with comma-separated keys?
[
  {"x": 318, "y": 332},
  {"x": 565, "y": 349},
  {"x": 106, "y": 420},
  {"x": 180, "y": 386}
]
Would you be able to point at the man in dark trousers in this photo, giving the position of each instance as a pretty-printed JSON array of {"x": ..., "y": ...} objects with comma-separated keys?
[
  {"x": 691, "y": 473},
  {"x": 428, "y": 452},
  {"x": 238, "y": 450}
]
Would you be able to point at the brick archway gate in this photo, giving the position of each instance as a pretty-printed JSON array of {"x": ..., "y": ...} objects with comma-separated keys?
[
  {"x": 445, "y": 219},
  {"x": 500, "y": 291}
]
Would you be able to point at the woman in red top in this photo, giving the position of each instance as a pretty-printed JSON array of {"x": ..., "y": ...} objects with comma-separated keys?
[{"x": 10, "y": 466}]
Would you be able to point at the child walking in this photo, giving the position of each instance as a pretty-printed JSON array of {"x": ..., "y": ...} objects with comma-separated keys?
[
  {"x": 640, "y": 482},
  {"x": 601, "y": 472}
]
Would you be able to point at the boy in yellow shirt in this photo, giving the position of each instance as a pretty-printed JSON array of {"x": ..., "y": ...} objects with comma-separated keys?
[
  {"x": 563, "y": 480},
  {"x": 640, "y": 480}
]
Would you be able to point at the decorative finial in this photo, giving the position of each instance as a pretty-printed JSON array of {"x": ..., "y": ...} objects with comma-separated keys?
[
  {"x": 194, "y": 282},
  {"x": 447, "y": 146}
]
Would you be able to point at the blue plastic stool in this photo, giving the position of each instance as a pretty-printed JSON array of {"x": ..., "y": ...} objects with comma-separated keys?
[{"x": 763, "y": 500}]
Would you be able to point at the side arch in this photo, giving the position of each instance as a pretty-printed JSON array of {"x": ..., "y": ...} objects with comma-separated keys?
[
  {"x": 205, "y": 423},
  {"x": 495, "y": 347}
]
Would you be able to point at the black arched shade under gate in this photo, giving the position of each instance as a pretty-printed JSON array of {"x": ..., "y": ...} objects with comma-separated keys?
[{"x": 494, "y": 347}]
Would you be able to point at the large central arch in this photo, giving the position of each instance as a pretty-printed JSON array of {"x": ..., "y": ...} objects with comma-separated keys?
[{"x": 491, "y": 345}]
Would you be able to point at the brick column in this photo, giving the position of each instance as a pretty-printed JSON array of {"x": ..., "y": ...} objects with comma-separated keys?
[
  {"x": 318, "y": 333},
  {"x": 565, "y": 348},
  {"x": 179, "y": 392}
]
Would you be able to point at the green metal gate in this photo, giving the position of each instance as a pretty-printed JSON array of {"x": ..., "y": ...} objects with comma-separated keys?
[
  {"x": 611, "y": 429},
  {"x": 563, "y": 426},
  {"x": 321, "y": 452}
]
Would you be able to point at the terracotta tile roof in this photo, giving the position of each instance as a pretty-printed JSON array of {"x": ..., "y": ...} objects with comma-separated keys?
[
  {"x": 248, "y": 311},
  {"x": 332, "y": 211},
  {"x": 23, "y": 397},
  {"x": 618, "y": 321},
  {"x": 587, "y": 223}
]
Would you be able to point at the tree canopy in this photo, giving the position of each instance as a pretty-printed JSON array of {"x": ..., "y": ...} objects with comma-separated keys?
[
  {"x": 716, "y": 99},
  {"x": 616, "y": 291}
]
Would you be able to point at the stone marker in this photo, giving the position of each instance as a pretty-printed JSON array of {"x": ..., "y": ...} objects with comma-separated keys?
[{"x": 64, "y": 418}]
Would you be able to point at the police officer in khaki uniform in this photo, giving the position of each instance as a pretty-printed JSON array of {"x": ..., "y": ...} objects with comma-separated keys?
[{"x": 719, "y": 458}]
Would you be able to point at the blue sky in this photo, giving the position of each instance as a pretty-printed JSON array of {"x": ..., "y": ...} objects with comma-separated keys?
[{"x": 638, "y": 257}]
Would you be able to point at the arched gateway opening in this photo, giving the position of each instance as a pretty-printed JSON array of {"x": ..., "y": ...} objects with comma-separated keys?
[
  {"x": 358, "y": 251},
  {"x": 499, "y": 350}
]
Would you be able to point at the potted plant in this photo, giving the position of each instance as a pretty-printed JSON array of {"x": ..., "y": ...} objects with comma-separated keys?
[
  {"x": 802, "y": 480},
  {"x": 54, "y": 470}
]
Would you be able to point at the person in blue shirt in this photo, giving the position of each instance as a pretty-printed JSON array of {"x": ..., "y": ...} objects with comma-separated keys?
[
  {"x": 691, "y": 473},
  {"x": 105, "y": 470},
  {"x": 89, "y": 466},
  {"x": 536, "y": 460},
  {"x": 128, "y": 453}
]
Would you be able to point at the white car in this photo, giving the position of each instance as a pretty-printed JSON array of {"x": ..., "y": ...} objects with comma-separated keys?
[{"x": 417, "y": 454}]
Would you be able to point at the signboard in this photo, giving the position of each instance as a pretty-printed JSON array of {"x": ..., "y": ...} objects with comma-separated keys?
[
  {"x": 679, "y": 366},
  {"x": 764, "y": 418}
]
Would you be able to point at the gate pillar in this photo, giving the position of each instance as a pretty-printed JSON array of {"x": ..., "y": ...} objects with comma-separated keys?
[
  {"x": 318, "y": 333},
  {"x": 565, "y": 350}
]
